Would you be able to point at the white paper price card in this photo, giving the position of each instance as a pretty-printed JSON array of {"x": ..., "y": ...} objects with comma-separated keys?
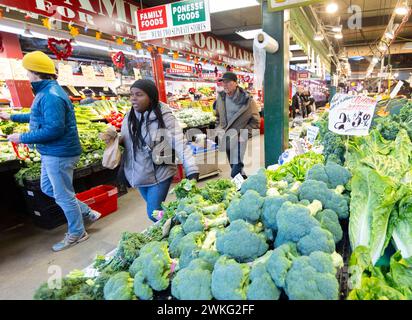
[
  {"x": 108, "y": 73},
  {"x": 351, "y": 115},
  {"x": 88, "y": 73},
  {"x": 137, "y": 74},
  {"x": 312, "y": 133},
  {"x": 65, "y": 74},
  {"x": 238, "y": 181}
]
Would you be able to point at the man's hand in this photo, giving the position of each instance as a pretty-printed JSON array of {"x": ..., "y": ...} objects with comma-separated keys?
[
  {"x": 15, "y": 137},
  {"x": 4, "y": 116}
]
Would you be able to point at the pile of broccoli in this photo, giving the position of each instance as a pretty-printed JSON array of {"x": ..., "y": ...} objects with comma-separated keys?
[{"x": 270, "y": 238}]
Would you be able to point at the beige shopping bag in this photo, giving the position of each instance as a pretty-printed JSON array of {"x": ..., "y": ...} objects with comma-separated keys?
[{"x": 112, "y": 153}]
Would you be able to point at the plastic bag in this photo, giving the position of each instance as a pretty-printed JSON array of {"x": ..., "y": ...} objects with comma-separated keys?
[{"x": 112, "y": 155}]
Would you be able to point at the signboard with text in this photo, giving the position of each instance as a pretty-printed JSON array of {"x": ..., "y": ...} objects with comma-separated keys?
[
  {"x": 116, "y": 17},
  {"x": 278, "y": 5},
  {"x": 351, "y": 115},
  {"x": 179, "y": 68},
  {"x": 175, "y": 19}
]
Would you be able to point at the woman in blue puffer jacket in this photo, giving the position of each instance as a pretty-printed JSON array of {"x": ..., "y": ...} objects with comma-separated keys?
[{"x": 53, "y": 130}]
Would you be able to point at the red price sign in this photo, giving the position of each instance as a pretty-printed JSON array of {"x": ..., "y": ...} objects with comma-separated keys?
[{"x": 152, "y": 18}]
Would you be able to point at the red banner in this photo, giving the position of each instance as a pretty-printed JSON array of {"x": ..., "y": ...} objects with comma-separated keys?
[
  {"x": 206, "y": 45},
  {"x": 115, "y": 17},
  {"x": 152, "y": 18}
]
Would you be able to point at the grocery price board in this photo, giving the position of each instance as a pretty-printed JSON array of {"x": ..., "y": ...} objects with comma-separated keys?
[
  {"x": 175, "y": 19},
  {"x": 351, "y": 115}
]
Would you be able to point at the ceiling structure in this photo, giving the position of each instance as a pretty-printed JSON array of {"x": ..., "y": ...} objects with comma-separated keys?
[{"x": 355, "y": 44}]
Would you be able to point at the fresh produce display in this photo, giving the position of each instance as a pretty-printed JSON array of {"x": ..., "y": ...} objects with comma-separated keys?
[
  {"x": 115, "y": 119},
  {"x": 225, "y": 244},
  {"x": 194, "y": 117}
]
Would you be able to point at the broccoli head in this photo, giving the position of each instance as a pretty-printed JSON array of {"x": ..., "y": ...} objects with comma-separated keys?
[
  {"x": 312, "y": 277},
  {"x": 242, "y": 241},
  {"x": 261, "y": 285},
  {"x": 185, "y": 189},
  {"x": 318, "y": 190},
  {"x": 154, "y": 265},
  {"x": 119, "y": 287},
  {"x": 189, "y": 248},
  {"x": 329, "y": 220},
  {"x": 176, "y": 234},
  {"x": 318, "y": 239},
  {"x": 248, "y": 207},
  {"x": 332, "y": 174},
  {"x": 294, "y": 222},
  {"x": 271, "y": 207},
  {"x": 230, "y": 279},
  {"x": 69, "y": 287},
  {"x": 187, "y": 206},
  {"x": 198, "y": 222},
  {"x": 193, "y": 282},
  {"x": 280, "y": 262},
  {"x": 257, "y": 182}
]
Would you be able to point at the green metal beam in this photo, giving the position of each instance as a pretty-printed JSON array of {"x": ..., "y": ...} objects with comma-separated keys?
[{"x": 276, "y": 87}]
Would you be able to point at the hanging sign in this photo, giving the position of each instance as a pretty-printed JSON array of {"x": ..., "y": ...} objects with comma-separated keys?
[
  {"x": 108, "y": 73},
  {"x": 5, "y": 69},
  {"x": 17, "y": 69},
  {"x": 312, "y": 133},
  {"x": 88, "y": 73},
  {"x": 115, "y": 17},
  {"x": 395, "y": 91},
  {"x": 278, "y": 5},
  {"x": 137, "y": 74},
  {"x": 175, "y": 19},
  {"x": 351, "y": 115},
  {"x": 65, "y": 74},
  {"x": 179, "y": 68}
]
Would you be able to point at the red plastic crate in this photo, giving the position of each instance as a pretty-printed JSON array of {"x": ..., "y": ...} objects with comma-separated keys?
[{"x": 103, "y": 199}]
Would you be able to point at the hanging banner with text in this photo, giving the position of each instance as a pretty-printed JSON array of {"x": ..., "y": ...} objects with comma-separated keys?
[
  {"x": 179, "y": 68},
  {"x": 115, "y": 17},
  {"x": 175, "y": 19},
  {"x": 351, "y": 115},
  {"x": 278, "y": 5}
]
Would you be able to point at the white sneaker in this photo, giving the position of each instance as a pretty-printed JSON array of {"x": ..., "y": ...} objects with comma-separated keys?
[{"x": 92, "y": 217}]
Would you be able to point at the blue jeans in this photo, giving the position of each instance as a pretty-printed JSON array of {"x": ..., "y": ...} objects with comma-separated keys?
[
  {"x": 57, "y": 182},
  {"x": 155, "y": 195}
]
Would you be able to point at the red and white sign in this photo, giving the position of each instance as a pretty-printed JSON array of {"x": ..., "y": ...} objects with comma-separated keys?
[
  {"x": 116, "y": 17},
  {"x": 152, "y": 18},
  {"x": 179, "y": 68}
]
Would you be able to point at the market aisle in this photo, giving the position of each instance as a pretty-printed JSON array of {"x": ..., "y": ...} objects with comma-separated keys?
[{"x": 25, "y": 252}]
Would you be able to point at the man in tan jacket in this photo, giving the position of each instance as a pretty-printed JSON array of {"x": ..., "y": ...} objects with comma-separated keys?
[{"x": 238, "y": 116}]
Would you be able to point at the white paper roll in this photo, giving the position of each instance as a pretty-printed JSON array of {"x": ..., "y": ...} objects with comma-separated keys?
[{"x": 264, "y": 41}]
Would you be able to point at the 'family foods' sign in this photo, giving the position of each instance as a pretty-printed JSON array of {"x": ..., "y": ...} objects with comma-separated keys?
[{"x": 171, "y": 20}]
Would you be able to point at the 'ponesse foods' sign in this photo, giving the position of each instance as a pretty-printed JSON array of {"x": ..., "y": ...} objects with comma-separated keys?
[{"x": 176, "y": 19}]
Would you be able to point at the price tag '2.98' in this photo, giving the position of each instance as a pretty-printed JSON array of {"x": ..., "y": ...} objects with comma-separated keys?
[{"x": 351, "y": 115}]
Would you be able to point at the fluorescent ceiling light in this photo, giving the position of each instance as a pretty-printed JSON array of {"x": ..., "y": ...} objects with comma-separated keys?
[
  {"x": 318, "y": 36},
  {"x": 297, "y": 47},
  {"x": 403, "y": 9},
  {"x": 249, "y": 34},
  {"x": 303, "y": 58},
  {"x": 337, "y": 29},
  {"x": 225, "y": 5},
  {"x": 332, "y": 7},
  {"x": 92, "y": 45}
]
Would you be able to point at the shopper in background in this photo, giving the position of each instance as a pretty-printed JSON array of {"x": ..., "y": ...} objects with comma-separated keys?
[
  {"x": 149, "y": 134},
  {"x": 236, "y": 111},
  {"x": 298, "y": 103},
  {"x": 53, "y": 130},
  {"x": 88, "y": 93},
  {"x": 308, "y": 101}
]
